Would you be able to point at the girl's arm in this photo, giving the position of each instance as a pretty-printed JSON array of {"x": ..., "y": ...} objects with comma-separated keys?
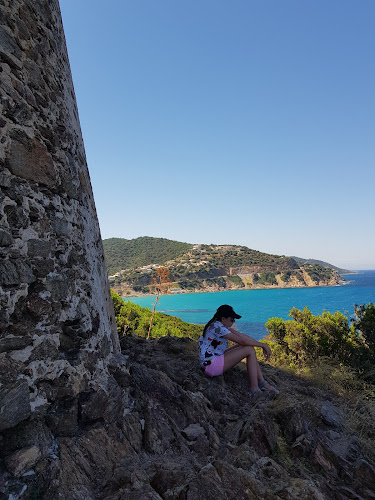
[{"x": 242, "y": 339}]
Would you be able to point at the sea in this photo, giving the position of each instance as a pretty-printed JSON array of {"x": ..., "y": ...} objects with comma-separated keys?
[{"x": 257, "y": 306}]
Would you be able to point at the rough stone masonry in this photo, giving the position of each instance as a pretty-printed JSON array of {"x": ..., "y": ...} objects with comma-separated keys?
[{"x": 58, "y": 337}]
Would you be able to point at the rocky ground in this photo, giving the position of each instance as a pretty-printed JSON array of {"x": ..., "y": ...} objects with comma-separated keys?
[{"x": 187, "y": 437}]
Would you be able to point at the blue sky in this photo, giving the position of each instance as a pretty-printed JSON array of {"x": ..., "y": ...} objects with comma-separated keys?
[{"x": 246, "y": 121}]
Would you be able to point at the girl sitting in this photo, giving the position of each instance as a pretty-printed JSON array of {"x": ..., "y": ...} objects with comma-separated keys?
[{"x": 216, "y": 358}]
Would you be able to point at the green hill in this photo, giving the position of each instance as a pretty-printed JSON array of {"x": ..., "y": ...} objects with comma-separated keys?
[{"x": 129, "y": 254}]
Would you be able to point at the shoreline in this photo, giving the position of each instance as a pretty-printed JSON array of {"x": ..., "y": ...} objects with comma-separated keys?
[{"x": 190, "y": 292}]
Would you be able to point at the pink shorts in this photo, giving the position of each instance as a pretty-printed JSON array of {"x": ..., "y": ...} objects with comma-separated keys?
[{"x": 216, "y": 367}]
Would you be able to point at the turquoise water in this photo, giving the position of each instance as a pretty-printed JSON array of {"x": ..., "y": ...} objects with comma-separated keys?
[{"x": 257, "y": 306}]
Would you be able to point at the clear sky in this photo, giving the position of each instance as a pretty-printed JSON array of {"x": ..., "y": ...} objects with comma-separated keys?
[{"x": 249, "y": 122}]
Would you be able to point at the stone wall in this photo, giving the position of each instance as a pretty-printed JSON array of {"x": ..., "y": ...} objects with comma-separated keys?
[{"x": 57, "y": 328}]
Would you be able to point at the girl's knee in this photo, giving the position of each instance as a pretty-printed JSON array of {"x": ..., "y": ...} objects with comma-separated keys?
[{"x": 250, "y": 350}]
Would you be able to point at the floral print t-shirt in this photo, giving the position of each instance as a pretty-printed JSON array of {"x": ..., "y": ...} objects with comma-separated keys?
[{"x": 212, "y": 344}]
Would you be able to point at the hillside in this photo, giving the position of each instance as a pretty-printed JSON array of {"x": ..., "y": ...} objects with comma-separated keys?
[
  {"x": 130, "y": 254},
  {"x": 321, "y": 263},
  {"x": 206, "y": 267}
]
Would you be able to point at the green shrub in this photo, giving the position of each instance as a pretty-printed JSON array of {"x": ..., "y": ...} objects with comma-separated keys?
[{"x": 306, "y": 339}]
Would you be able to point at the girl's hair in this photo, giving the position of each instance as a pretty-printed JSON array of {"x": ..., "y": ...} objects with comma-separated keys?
[
  {"x": 214, "y": 318},
  {"x": 223, "y": 311}
]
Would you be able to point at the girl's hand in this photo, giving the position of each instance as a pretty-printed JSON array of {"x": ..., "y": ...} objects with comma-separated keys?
[{"x": 266, "y": 352}]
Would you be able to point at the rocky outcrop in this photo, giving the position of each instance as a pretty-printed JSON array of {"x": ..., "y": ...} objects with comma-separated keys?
[{"x": 187, "y": 436}]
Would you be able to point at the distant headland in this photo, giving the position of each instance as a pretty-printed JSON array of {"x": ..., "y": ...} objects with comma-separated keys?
[{"x": 196, "y": 268}]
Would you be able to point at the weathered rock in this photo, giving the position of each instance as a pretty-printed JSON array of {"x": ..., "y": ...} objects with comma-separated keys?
[
  {"x": 132, "y": 427},
  {"x": 365, "y": 473},
  {"x": 93, "y": 405},
  {"x": 87, "y": 465},
  {"x": 27, "y": 152},
  {"x": 5, "y": 238},
  {"x": 206, "y": 484},
  {"x": 39, "y": 248},
  {"x": 159, "y": 431},
  {"x": 23, "y": 460},
  {"x": 12, "y": 273},
  {"x": 293, "y": 422},
  {"x": 62, "y": 418},
  {"x": 301, "y": 488},
  {"x": 10, "y": 50},
  {"x": 193, "y": 431},
  {"x": 15, "y": 404},
  {"x": 331, "y": 415},
  {"x": 14, "y": 343},
  {"x": 26, "y": 434},
  {"x": 118, "y": 367},
  {"x": 259, "y": 431},
  {"x": 114, "y": 410},
  {"x": 237, "y": 483}
]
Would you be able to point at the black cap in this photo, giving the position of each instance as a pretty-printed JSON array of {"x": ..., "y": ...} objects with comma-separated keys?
[{"x": 226, "y": 311}]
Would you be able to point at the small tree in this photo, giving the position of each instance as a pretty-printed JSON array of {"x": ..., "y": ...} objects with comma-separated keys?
[{"x": 160, "y": 282}]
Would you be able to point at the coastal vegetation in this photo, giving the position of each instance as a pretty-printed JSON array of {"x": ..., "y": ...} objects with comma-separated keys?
[
  {"x": 305, "y": 339},
  {"x": 206, "y": 267},
  {"x": 132, "y": 319}
]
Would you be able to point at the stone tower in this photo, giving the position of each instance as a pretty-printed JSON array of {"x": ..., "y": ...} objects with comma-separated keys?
[{"x": 57, "y": 330}]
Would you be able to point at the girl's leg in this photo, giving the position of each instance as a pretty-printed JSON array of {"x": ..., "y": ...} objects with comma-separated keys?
[
  {"x": 234, "y": 356},
  {"x": 235, "y": 346},
  {"x": 259, "y": 373},
  {"x": 249, "y": 361}
]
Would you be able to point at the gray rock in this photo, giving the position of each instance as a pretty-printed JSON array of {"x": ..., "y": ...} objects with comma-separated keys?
[
  {"x": 4, "y": 180},
  {"x": 39, "y": 248},
  {"x": 26, "y": 434},
  {"x": 9, "y": 48},
  {"x": 8, "y": 273},
  {"x": 15, "y": 273},
  {"x": 62, "y": 418},
  {"x": 8, "y": 344},
  {"x": 193, "y": 431},
  {"x": 207, "y": 484},
  {"x": 5, "y": 238},
  {"x": 92, "y": 405},
  {"x": 331, "y": 415},
  {"x": 259, "y": 430},
  {"x": 365, "y": 472},
  {"x": 23, "y": 460},
  {"x": 26, "y": 152},
  {"x": 293, "y": 422},
  {"x": 14, "y": 404}
]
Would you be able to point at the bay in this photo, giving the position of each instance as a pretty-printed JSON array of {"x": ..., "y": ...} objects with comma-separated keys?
[{"x": 257, "y": 306}]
